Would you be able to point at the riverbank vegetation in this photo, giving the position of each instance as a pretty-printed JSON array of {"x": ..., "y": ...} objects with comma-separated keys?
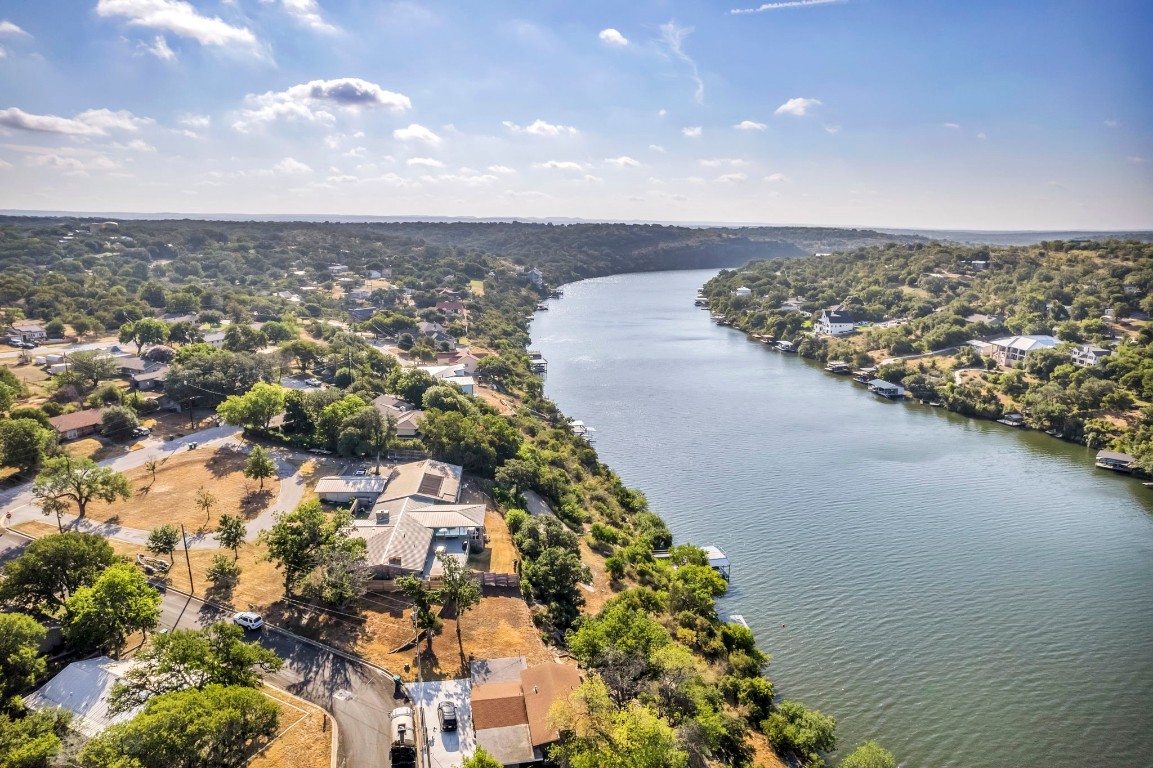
[
  {"x": 354, "y": 306},
  {"x": 918, "y": 306}
]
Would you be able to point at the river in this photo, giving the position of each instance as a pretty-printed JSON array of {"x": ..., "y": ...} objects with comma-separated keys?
[{"x": 968, "y": 594}]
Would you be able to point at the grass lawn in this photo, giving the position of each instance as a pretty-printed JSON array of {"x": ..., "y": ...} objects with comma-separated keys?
[
  {"x": 172, "y": 497},
  {"x": 477, "y": 287},
  {"x": 499, "y": 553}
]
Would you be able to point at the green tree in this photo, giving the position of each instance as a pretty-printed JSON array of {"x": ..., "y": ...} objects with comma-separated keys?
[
  {"x": 206, "y": 501},
  {"x": 231, "y": 533},
  {"x": 793, "y": 728},
  {"x": 552, "y": 579},
  {"x": 147, "y": 330},
  {"x": 243, "y": 338},
  {"x": 32, "y": 741},
  {"x": 117, "y": 422},
  {"x": 869, "y": 755},
  {"x": 93, "y": 366},
  {"x": 459, "y": 588},
  {"x": 255, "y": 408},
  {"x": 481, "y": 759},
  {"x": 79, "y": 480},
  {"x": 163, "y": 540},
  {"x": 193, "y": 658},
  {"x": 20, "y": 660},
  {"x": 24, "y": 443},
  {"x": 184, "y": 332},
  {"x": 119, "y": 602},
  {"x": 150, "y": 467},
  {"x": 409, "y": 384},
  {"x": 423, "y": 616},
  {"x": 217, "y": 727},
  {"x": 53, "y": 567},
  {"x": 277, "y": 331},
  {"x": 222, "y": 572},
  {"x": 304, "y": 352},
  {"x": 307, "y": 540},
  {"x": 259, "y": 465}
]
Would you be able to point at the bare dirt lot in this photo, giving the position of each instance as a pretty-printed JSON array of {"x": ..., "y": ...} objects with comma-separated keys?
[
  {"x": 305, "y": 737},
  {"x": 499, "y": 552},
  {"x": 172, "y": 497}
]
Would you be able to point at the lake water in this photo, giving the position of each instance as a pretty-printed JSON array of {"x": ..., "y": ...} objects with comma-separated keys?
[{"x": 968, "y": 594}]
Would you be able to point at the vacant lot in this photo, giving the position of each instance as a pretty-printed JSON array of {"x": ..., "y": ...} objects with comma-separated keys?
[
  {"x": 499, "y": 553},
  {"x": 172, "y": 496},
  {"x": 305, "y": 737}
]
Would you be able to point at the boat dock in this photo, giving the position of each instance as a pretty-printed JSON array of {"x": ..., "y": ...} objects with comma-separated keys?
[
  {"x": 718, "y": 560},
  {"x": 536, "y": 361},
  {"x": 838, "y": 367}
]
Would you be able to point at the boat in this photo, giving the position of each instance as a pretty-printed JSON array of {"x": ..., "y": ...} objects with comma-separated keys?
[
  {"x": 838, "y": 367},
  {"x": 785, "y": 346},
  {"x": 864, "y": 375},
  {"x": 701, "y": 303},
  {"x": 542, "y": 307},
  {"x": 555, "y": 293}
]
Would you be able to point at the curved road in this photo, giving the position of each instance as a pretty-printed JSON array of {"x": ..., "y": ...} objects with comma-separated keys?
[{"x": 20, "y": 504}]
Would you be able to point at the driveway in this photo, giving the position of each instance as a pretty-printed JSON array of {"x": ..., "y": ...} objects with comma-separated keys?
[{"x": 445, "y": 749}]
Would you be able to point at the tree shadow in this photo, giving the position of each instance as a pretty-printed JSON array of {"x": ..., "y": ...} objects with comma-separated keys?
[
  {"x": 221, "y": 592},
  {"x": 255, "y": 502}
]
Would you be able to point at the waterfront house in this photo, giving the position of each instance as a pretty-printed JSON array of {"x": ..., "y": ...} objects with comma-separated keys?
[
  {"x": 71, "y": 426},
  {"x": 1118, "y": 462},
  {"x": 834, "y": 321},
  {"x": 510, "y": 712},
  {"x": 1011, "y": 350},
  {"x": 743, "y": 291},
  {"x": 1088, "y": 355},
  {"x": 886, "y": 389}
]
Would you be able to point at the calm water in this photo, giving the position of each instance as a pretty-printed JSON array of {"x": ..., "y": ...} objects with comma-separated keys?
[{"x": 967, "y": 594}]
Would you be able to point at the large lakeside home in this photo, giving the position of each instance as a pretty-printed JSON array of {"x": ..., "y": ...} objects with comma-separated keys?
[
  {"x": 1011, "y": 350},
  {"x": 834, "y": 321}
]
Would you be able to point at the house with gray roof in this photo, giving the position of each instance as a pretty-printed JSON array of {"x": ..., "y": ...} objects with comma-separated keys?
[
  {"x": 1012, "y": 350},
  {"x": 83, "y": 688}
]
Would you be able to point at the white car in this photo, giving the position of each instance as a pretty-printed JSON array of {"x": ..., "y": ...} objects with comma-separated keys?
[{"x": 248, "y": 620}]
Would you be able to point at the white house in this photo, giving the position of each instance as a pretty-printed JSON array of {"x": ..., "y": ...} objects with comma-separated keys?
[
  {"x": 343, "y": 489},
  {"x": 743, "y": 291},
  {"x": 834, "y": 321},
  {"x": 1090, "y": 354},
  {"x": 27, "y": 330},
  {"x": 1011, "y": 350},
  {"x": 83, "y": 688}
]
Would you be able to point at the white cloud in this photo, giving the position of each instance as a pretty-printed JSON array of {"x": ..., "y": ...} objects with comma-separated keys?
[
  {"x": 732, "y": 178},
  {"x": 716, "y": 162},
  {"x": 662, "y": 113},
  {"x": 467, "y": 179},
  {"x": 588, "y": 178},
  {"x": 8, "y": 29},
  {"x": 982, "y": 136},
  {"x": 1135, "y": 160},
  {"x": 73, "y": 165},
  {"x": 179, "y": 18},
  {"x": 1111, "y": 123},
  {"x": 425, "y": 162},
  {"x": 311, "y": 101},
  {"x": 798, "y": 107},
  {"x": 501, "y": 169},
  {"x": 953, "y": 126},
  {"x": 656, "y": 148},
  {"x": 3, "y": 52},
  {"x": 541, "y": 128},
  {"x": 789, "y": 4},
  {"x": 307, "y": 12},
  {"x": 624, "y": 161},
  {"x": 93, "y": 122},
  {"x": 612, "y": 37},
  {"x": 832, "y": 130},
  {"x": 692, "y": 132},
  {"x": 749, "y": 125},
  {"x": 559, "y": 165},
  {"x": 416, "y": 132},
  {"x": 777, "y": 178},
  {"x": 137, "y": 145},
  {"x": 160, "y": 49},
  {"x": 290, "y": 166},
  {"x": 674, "y": 37}
]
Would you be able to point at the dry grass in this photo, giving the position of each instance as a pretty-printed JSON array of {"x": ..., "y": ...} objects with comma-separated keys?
[
  {"x": 499, "y": 552},
  {"x": 602, "y": 588},
  {"x": 477, "y": 287},
  {"x": 172, "y": 497},
  {"x": 763, "y": 754},
  {"x": 495, "y": 400},
  {"x": 304, "y": 739}
]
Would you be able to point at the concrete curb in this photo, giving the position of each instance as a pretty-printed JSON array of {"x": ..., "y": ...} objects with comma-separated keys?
[{"x": 334, "y": 748}]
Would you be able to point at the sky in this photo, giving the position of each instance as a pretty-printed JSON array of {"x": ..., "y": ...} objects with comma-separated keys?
[{"x": 966, "y": 114}]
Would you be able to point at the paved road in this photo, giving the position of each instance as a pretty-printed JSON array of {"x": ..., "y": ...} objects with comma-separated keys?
[
  {"x": 19, "y": 502},
  {"x": 359, "y": 696}
]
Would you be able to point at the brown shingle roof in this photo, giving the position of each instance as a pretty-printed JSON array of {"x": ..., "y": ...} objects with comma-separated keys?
[
  {"x": 496, "y": 705},
  {"x": 76, "y": 420},
  {"x": 543, "y": 686}
]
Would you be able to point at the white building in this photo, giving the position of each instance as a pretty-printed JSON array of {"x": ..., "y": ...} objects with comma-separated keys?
[
  {"x": 834, "y": 321},
  {"x": 743, "y": 291},
  {"x": 1088, "y": 355},
  {"x": 1011, "y": 350}
]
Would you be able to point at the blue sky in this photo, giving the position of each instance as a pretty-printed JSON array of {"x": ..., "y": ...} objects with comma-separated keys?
[{"x": 914, "y": 113}]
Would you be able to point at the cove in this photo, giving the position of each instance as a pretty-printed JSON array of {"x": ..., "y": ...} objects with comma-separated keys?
[{"x": 967, "y": 594}]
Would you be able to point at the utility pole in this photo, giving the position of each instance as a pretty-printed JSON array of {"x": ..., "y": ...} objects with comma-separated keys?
[{"x": 188, "y": 561}]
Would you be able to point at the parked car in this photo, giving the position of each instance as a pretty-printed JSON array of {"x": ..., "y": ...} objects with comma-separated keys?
[
  {"x": 312, "y": 382},
  {"x": 141, "y": 432},
  {"x": 446, "y": 712},
  {"x": 248, "y": 620},
  {"x": 360, "y": 472}
]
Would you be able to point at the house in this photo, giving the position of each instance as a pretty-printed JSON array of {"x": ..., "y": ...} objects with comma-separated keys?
[
  {"x": 338, "y": 269},
  {"x": 361, "y": 314},
  {"x": 359, "y": 294},
  {"x": 452, "y": 374},
  {"x": 71, "y": 426},
  {"x": 450, "y": 307},
  {"x": 536, "y": 277},
  {"x": 180, "y": 317},
  {"x": 1011, "y": 350},
  {"x": 340, "y": 489},
  {"x": 408, "y": 417},
  {"x": 1090, "y": 354},
  {"x": 792, "y": 305},
  {"x": 428, "y": 481},
  {"x": 834, "y": 321},
  {"x": 27, "y": 330},
  {"x": 1118, "y": 462},
  {"x": 372, "y": 274},
  {"x": 743, "y": 291},
  {"x": 215, "y": 338},
  {"x": 153, "y": 379},
  {"x": 510, "y": 711},
  {"x": 990, "y": 320},
  {"x": 437, "y": 331},
  {"x": 886, "y": 389},
  {"x": 130, "y": 365},
  {"x": 83, "y": 688}
]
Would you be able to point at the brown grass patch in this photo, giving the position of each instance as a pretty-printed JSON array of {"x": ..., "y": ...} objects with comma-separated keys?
[
  {"x": 304, "y": 739},
  {"x": 499, "y": 552},
  {"x": 88, "y": 448},
  {"x": 601, "y": 588},
  {"x": 763, "y": 754},
  {"x": 172, "y": 497}
]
